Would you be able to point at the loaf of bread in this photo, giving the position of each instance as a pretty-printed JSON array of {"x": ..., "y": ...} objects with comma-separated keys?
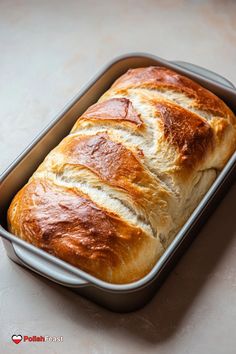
[{"x": 112, "y": 195}]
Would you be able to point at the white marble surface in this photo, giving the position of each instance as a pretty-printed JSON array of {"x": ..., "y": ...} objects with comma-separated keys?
[{"x": 48, "y": 50}]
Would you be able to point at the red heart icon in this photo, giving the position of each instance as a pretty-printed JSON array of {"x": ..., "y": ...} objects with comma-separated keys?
[{"x": 16, "y": 338}]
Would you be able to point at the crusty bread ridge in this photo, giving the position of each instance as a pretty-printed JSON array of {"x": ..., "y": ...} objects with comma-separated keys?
[{"x": 112, "y": 195}]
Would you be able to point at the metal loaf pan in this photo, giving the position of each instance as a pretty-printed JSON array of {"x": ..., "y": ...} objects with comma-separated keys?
[{"x": 120, "y": 298}]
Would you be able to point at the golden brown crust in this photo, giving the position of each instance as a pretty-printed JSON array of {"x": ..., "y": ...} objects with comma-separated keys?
[
  {"x": 191, "y": 134},
  {"x": 69, "y": 225},
  {"x": 120, "y": 109},
  {"x": 116, "y": 111},
  {"x": 113, "y": 194},
  {"x": 122, "y": 168},
  {"x": 93, "y": 151}
]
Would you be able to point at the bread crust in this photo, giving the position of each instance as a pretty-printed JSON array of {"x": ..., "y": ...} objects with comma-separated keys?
[{"x": 112, "y": 195}]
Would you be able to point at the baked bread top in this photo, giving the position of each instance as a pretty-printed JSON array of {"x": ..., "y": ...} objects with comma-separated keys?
[{"x": 113, "y": 194}]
